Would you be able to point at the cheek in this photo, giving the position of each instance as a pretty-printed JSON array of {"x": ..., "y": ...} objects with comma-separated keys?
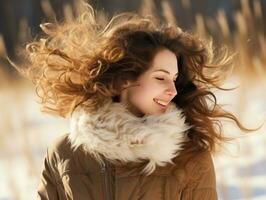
[{"x": 147, "y": 89}]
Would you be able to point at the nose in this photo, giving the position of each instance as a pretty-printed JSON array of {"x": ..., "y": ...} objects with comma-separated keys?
[{"x": 171, "y": 91}]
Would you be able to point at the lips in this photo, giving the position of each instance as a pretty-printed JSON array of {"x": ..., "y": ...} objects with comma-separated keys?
[{"x": 161, "y": 102}]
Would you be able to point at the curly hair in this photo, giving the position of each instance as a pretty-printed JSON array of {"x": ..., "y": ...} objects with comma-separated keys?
[{"x": 87, "y": 60}]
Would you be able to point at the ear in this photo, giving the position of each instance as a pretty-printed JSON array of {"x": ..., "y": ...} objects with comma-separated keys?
[{"x": 126, "y": 84}]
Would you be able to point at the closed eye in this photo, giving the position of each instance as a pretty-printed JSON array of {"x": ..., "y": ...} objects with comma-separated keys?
[{"x": 161, "y": 79}]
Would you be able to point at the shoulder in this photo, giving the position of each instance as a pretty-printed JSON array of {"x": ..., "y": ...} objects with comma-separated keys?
[
  {"x": 62, "y": 148},
  {"x": 200, "y": 163},
  {"x": 60, "y": 145},
  {"x": 196, "y": 161},
  {"x": 64, "y": 157},
  {"x": 200, "y": 170},
  {"x": 58, "y": 149},
  {"x": 202, "y": 159}
]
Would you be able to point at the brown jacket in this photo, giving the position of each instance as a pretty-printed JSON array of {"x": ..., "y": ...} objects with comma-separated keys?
[{"x": 111, "y": 156}]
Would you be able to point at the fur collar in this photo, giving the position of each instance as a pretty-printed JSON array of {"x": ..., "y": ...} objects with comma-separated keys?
[{"x": 118, "y": 135}]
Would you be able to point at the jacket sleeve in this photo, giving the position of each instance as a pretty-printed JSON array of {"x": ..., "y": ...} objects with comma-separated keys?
[
  {"x": 47, "y": 188},
  {"x": 201, "y": 184}
]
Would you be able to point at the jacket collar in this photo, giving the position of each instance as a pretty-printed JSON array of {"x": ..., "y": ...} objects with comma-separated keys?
[{"x": 118, "y": 135}]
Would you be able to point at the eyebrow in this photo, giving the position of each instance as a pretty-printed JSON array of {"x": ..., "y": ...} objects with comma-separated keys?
[{"x": 163, "y": 70}]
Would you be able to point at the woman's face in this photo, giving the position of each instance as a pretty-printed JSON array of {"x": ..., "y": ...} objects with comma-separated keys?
[{"x": 151, "y": 93}]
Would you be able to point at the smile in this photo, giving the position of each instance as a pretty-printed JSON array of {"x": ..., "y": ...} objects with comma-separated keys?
[{"x": 160, "y": 102}]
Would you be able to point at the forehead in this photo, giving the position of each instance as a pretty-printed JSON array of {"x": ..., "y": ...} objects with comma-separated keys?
[{"x": 165, "y": 59}]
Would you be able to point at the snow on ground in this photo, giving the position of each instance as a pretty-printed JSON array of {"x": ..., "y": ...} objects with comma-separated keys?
[{"x": 25, "y": 134}]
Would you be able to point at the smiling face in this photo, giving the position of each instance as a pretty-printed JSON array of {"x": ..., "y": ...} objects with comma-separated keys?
[{"x": 153, "y": 90}]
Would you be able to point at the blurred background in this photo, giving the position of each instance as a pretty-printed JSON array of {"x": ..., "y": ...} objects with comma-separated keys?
[{"x": 25, "y": 132}]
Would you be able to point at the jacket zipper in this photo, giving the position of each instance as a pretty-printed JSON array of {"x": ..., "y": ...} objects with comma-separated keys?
[{"x": 104, "y": 172}]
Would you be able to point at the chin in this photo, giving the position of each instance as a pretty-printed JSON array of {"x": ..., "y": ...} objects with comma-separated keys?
[
  {"x": 151, "y": 111},
  {"x": 155, "y": 112}
]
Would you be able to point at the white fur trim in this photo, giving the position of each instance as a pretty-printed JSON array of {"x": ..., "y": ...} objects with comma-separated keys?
[{"x": 117, "y": 134}]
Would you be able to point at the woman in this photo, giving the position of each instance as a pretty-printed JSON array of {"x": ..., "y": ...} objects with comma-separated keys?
[{"x": 143, "y": 119}]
